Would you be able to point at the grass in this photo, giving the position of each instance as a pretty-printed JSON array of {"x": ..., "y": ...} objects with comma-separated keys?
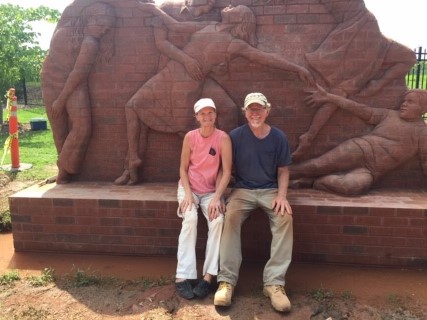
[
  {"x": 10, "y": 277},
  {"x": 35, "y": 147},
  {"x": 47, "y": 276}
]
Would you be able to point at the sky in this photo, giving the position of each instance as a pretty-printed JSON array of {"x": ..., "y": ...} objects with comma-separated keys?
[{"x": 400, "y": 20}]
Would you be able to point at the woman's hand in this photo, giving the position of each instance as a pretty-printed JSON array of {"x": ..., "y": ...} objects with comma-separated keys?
[
  {"x": 186, "y": 203},
  {"x": 215, "y": 209}
]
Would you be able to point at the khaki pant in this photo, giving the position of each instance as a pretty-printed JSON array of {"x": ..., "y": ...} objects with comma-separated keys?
[{"x": 239, "y": 207}]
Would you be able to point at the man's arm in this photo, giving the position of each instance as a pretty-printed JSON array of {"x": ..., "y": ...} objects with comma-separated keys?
[{"x": 280, "y": 204}]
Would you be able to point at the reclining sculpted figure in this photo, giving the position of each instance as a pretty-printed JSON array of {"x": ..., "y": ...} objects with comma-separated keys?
[{"x": 355, "y": 164}]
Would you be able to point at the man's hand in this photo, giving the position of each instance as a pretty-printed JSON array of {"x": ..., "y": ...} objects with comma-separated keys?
[{"x": 281, "y": 206}]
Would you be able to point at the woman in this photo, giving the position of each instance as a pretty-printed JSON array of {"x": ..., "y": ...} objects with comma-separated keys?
[
  {"x": 205, "y": 172},
  {"x": 75, "y": 47},
  {"x": 160, "y": 104}
]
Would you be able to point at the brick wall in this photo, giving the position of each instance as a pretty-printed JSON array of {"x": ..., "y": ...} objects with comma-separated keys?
[{"x": 387, "y": 229}]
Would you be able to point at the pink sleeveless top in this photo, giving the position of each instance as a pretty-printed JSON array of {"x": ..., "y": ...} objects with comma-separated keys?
[{"x": 205, "y": 160}]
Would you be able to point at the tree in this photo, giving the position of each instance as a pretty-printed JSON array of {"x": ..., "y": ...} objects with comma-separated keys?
[{"x": 20, "y": 54}]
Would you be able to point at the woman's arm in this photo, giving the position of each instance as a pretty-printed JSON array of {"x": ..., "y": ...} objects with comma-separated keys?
[
  {"x": 188, "y": 201},
  {"x": 215, "y": 206}
]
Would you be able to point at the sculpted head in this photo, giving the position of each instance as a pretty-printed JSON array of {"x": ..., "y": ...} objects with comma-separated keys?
[{"x": 244, "y": 22}]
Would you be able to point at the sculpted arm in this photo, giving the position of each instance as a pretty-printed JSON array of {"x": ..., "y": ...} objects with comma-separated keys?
[
  {"x": 319, "y": 97},
  {"x": 241, "y": 48},
  {"x": 172, "y": 52},
  {"x": 423, "y": 150},
  {"x": 80, "y": 72},
  {"x": 170, "y": 22}
]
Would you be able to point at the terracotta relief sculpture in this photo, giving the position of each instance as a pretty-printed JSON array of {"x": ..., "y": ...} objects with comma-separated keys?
[
  {"x": 75, "y": 47},
  {"x": 170, "y": 45},
  {"x": 354, "y": 165},
  {"x": 354, "y": 60},
  {"x": 161, "y": 104},
  {"x": 120, "y": 76}
]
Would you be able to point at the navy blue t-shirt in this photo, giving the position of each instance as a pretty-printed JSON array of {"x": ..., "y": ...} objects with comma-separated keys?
[{"x": 256, "y": 160}]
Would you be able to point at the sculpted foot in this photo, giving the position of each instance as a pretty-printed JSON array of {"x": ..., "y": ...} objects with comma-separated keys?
[
  {"x": 301, "y": 183},
  {"x": 123, "y": 179},
  {"x": 63, "y": 177},
  {"x": 134, "y": 164},
  {"x": 133, "y": 177}
]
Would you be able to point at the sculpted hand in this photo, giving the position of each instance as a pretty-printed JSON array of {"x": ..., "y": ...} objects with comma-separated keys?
[
  {"x": 148, "y": 7},
  {"x": 193, "y": 68},
  {"x": 57, "y": 108},
  {"x": 317, "y": 97},
  {"x": 306, "y": 76}
]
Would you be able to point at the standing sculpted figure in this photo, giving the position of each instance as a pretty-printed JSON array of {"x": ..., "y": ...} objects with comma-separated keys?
[
  {"x": 75, "y": 47},
  {"x": 170, "y": 45},
  {"x": 162, "y": 102},
  {"x": 355, "y": 59}
]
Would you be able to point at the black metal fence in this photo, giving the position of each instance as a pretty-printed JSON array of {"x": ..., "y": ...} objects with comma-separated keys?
[{"x": 417, "y": 77}]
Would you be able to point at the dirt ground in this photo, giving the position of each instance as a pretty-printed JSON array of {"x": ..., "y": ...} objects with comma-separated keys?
[{"x": 110, "y": 287}]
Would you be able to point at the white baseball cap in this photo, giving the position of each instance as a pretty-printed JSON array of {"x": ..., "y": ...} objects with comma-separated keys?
[{"x": 203, "y": 103}]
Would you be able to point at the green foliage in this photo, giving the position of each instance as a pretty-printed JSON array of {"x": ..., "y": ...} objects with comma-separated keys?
[
  {"x": 47, "y": 276},
  {"x": 5, "y": 221},
  {"x": 20, "y": 54},
  {"x": 9, "y": 278},
  {"x": 82, "y": 279},
  {"x": 321, "y": 294}
]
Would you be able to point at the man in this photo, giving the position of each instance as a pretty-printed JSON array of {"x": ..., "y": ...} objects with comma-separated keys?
[
  {"x": 261, "y": 157},
  {"x": 354, "y": 165}
]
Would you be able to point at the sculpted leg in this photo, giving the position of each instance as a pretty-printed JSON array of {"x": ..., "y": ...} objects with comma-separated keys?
[
  {"x": 320, "y": 118},
  {"x": 356, "y": 182},
  {"x": 132, "y": 161}
]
